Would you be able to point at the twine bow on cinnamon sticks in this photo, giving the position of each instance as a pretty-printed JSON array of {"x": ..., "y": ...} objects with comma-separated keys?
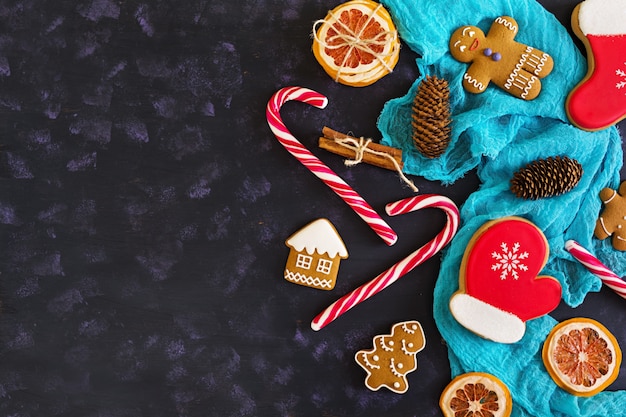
[{"x": 364, "y": 150}]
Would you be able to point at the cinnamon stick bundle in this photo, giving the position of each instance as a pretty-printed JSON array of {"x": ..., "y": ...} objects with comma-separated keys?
[{"x": 336, "y": 143}]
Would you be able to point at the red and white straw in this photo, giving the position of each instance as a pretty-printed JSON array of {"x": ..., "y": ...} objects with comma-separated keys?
[
  {"x": 317, "y": 167},
  {"x": 404, "y": 266},
  {"x": 593, "y": 264}
]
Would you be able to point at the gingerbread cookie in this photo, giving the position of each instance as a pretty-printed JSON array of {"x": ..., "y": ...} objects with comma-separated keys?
[
  {"x": 582, "y": 356},
  {"x": 612, "y": 220},
  {"x": 392, "y": 357},
  {"x": 476, "y": 394},
  {"x": 497, "y": 58},
  {"x": 315, "y": 253},
  {"x": 499, "y": 284},
  {"x": 599, "y": 100}
]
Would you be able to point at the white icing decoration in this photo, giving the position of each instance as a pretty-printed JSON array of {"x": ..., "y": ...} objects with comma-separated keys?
[
  {"x": 602, "y": 17},
  {"x": 392, "y": 367},
  {"x": 611, "y": 197},
  {"x": 396, "y": 384},
  {"x": 298, "y": 278},
  {"x": 320, "y": 236},
  {"x": 604, "y": 227},
  {"x": 474, "y": 82},
  {"x": 406, "y": 329},
  {"x": 508, "y": 261},
  {"x": 404, "y": 347},
  {"x": 542, "y": 62},
  {"x": 368, "y": 363},
  {"x": 514, "y": 74},
  {"x": 375, "y": 357},
  {"x": 385, "y": 347},
  {"x": 529, "y": 86},
  {"x": 486, "y": 320},
  {"x": 506, "y": 23},
  {"x": 621, "y": 73},
  {"x": 536, "y": 61}
]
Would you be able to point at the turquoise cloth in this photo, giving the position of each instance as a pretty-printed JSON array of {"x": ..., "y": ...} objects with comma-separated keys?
[{"x": 497, "y": 134}]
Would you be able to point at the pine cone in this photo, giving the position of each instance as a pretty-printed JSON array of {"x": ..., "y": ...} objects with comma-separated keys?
[
  {"x": 431, "y": 117},
  {"x": 546, "y": 178}
]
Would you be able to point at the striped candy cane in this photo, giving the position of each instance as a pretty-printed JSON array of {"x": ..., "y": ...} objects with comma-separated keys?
[
  {"x": 593, "y": 264},
  {"x": 403, "y": 267},
  {"x": 317, "y": 167}
]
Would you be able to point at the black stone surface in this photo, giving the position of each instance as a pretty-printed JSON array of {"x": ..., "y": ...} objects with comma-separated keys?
[{"x": 144, "y": 205}]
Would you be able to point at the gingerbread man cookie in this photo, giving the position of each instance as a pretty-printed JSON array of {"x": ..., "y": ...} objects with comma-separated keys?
[
  {"x": 392, "y": 357},
  {"x": 497, "y": 58},
  {"x": 612, "y": 220}
]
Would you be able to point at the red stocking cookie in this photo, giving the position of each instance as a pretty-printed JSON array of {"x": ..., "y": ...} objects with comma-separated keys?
[
  {"x": 498, "y": 59},
  {"x": 599, "y": 100},
  {"x": 499, "y": 287}
]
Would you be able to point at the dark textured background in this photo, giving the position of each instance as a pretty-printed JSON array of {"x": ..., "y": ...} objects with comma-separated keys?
[{"x": 144, "y": 205}]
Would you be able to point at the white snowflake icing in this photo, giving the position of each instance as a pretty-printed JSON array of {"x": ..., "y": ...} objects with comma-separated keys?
[
  {"x": 621, "y": 84},
  {"x": 509, "y": 262}
]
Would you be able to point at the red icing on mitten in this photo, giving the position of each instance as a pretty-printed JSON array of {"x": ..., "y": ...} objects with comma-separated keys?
[
  {"x": 599, "y": 100},
  {"x": 500, "y": 287}
]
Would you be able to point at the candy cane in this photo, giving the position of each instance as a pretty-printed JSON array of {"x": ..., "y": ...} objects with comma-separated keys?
[
  {"x": 317, "y": 167},
  {"x": 593, "y": 264},
  {"x": 404, "y": 266}
]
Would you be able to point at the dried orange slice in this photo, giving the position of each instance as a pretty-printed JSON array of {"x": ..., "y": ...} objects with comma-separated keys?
[
  {"x": 357, "y": 43},
  {"x": 582, "y": 356},
  {"x": 476, "y": 394}
]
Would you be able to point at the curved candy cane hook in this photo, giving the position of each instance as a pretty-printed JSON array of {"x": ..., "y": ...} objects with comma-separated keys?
[
  {"x": 404, "y": 266},
  {"x": 596, "y": 267},
  {"x": 317, "y": 167}
]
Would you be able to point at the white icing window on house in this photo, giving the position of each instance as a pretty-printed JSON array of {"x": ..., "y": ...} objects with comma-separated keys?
[
  {"x": 303, "y": 261},
  {"x": 324, "y": 266}
]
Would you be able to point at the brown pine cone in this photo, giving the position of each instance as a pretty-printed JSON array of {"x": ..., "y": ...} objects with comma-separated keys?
[
  {"x": 546, "y": 178},
  {"x": 431, "y": 117}
]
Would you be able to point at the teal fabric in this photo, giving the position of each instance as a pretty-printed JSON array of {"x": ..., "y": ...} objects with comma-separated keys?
[{"x": 496, "y": 134}]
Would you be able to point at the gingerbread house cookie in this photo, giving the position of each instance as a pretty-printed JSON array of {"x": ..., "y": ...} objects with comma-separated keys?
[{"x": 315, "y": 253}]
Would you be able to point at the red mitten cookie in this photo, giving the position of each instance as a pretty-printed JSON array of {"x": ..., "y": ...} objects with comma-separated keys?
[
  {"x": 499, "y": 284},
  {"x": 599, "y": 100}
]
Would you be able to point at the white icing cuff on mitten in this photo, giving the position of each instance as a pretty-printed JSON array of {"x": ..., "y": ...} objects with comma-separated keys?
[
  {"x": 602, "y": 17},
  {"x": 486, "y": 320}
]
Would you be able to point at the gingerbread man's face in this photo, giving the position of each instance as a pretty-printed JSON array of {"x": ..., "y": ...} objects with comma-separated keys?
[{"x": 465, "y": 43}]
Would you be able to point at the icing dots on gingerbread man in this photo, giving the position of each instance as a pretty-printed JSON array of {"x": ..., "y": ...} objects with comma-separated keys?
[
  {"x": 612, "y": 220},
  {"x": 392, "y": 357},
  {"x": 497, "y": 58}
]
